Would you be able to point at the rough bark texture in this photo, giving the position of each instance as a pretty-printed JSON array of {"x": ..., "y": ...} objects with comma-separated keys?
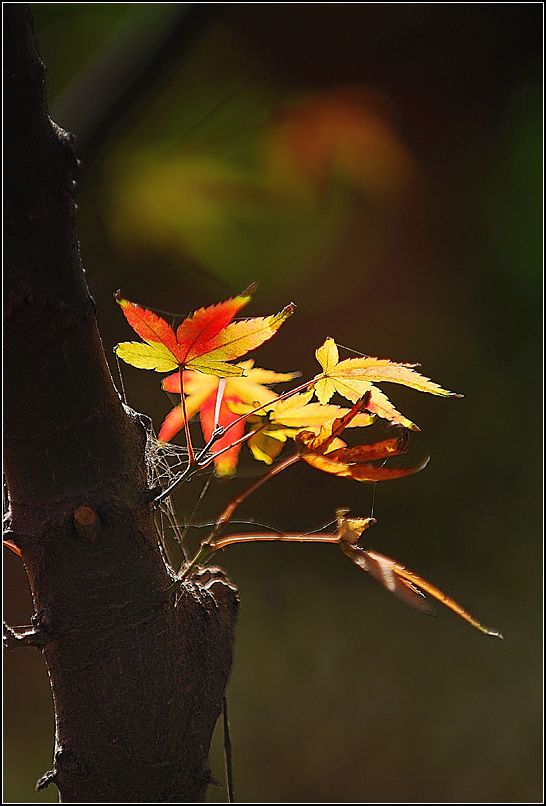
[{"x": 138, "y": 667}]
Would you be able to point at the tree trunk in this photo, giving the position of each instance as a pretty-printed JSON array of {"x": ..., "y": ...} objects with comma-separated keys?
[{"x": 138, "y": 665}]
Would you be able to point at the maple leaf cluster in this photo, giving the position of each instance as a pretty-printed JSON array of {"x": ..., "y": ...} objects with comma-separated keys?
[
  {"x": 236, "y": 404},
  {"x": 201, "y": 350}
]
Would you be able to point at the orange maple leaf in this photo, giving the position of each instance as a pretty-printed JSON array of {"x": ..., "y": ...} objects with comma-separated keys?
[
  {"x": 205, "y": 341},
  {"x": 201, "y": 391}
]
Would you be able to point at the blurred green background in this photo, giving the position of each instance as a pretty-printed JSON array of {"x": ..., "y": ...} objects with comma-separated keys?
[{"x": 379, "y": 165}]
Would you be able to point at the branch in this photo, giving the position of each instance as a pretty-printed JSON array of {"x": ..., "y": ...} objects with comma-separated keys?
[
  {"x": 191, "y": 454},
  {"x": 231, "y": 508},
  {"x": 208, "y": 546},
  {"x": 14, "y": 637},
  {"x": 257, "y": 537}
]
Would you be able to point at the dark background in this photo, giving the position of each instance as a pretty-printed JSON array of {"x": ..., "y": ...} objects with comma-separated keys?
[{"x": 379, "y": 165}]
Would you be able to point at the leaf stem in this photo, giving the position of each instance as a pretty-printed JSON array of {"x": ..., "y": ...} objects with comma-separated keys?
[
  {"x": 222, "y": 383},
  {"x": 191, "y": 453},
  {"x": 208, "y": 548}
]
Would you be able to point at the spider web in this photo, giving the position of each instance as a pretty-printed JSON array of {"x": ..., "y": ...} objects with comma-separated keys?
[{"x": 164, "y": 462}]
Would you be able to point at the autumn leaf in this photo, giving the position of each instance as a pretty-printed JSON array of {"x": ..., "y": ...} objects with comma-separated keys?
[
  {"x": 354, "y": 462},
  {"x": 201, "y": 391},
  {"x": 320, "y": 451},
  {"x": 353, "y": 377},
  {"x": 349, "y": 530},
  {"x": 394, "y": 577},
  {"x": 285, "y": 419},
  {"x": 298, "y": 412},
  {"x": 360, "y": 471},
  {"x": 205, "y": 341}
]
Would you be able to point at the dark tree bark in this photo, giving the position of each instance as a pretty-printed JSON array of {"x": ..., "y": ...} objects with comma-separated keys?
[{"x": 138, "y": 665}]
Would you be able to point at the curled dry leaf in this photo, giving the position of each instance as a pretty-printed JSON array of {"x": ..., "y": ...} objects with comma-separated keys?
[
  {"x": 394, "y": 577},
  {"x": 319, "y": 451},
  {"x": 361, "y": 471}
]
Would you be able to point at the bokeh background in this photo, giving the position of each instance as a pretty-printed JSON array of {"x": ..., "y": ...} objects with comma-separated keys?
[{"x": 379, "y": 165}]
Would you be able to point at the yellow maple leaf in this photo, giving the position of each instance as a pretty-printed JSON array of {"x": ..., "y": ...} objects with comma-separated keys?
[
  {"x": 285, "y": 419},
  {"x": 353, "y": 377}
]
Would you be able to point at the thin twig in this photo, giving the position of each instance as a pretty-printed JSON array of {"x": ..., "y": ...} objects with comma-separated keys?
[
  {"x": 171, "y": 487},
  {"x": 228, "y": 756},
  {"x": 220, "y": 431},
  {"x": 213, "y": 456},
  {"x": 231, "y": 508},
  {"x": 207, "y": 548},
  {"x": 255, "y": 537}
]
